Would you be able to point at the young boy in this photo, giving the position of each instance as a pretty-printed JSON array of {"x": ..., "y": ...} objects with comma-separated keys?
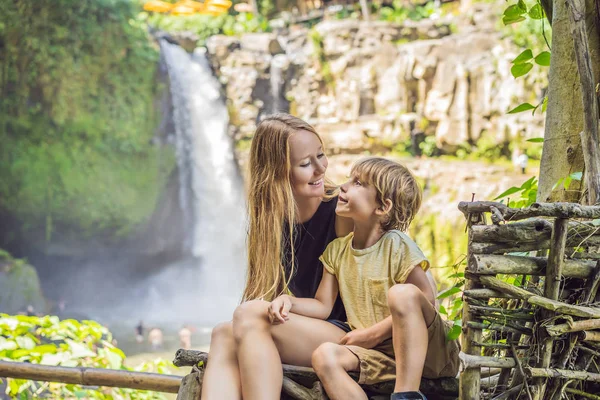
[{"x": 380, "y": 275}]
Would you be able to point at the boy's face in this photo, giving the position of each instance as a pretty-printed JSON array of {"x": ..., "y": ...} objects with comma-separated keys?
[{"x": 357, "y": 200}]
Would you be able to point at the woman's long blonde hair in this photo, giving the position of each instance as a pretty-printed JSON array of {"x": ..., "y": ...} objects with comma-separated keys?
[{"x": 271, "y": 204}]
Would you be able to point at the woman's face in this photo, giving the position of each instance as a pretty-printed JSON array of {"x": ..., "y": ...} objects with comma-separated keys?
[{"x": 309, "y": 164}]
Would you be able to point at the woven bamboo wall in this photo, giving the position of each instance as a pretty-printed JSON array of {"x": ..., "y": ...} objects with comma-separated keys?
[{"x": 531, "y": 317}]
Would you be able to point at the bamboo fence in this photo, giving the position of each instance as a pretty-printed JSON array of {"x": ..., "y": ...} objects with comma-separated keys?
[{"x": 530, "y": 302}]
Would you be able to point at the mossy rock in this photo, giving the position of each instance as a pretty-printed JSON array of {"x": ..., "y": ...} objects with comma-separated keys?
[{"x": 19, "y": 286}]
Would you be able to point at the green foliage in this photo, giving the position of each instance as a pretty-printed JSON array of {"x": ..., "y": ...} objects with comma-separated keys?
[
  {"x": 68, "y": 343},
  {"x": 206, "y": 26},
  {"x": 525, "y": 194},
  {"x": 429, "y": 146},
  {"x": 445, "y": 245},
  {"x": 400, "y": 12},
  {"x": 77, "y": 113},
  {"x": 319, "y": 54}
]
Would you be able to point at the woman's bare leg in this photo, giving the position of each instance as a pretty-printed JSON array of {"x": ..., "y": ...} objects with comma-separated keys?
[
  {"x": 332, "y": 362},
  {"x": 411, "y": 313},
  {"x": 222, "y": 377},
  {"x": 262, "y": 347}
]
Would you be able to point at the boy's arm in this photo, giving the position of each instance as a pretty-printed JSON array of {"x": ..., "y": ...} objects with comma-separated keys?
[
  {"x": 320, "y": 307},
  {"x": 419, "y": 278}
]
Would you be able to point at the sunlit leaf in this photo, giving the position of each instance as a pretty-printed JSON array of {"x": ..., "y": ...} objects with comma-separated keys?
[
  {"x": 448, "y": 293},
  {"x": 545, "y": 104},
  {"x": 44, "y": 349},
  {"x": 518, "y": 70},
  {"x": 528, "y": 183},
  {"x": 52, "y": 359},
  {"x": 536, "y": 12},
  {"x": 508, "y": 192},
  {"x": 543, "y": 59},
  {"x": 7, "y": 344},
  {"x": 535, "y": 140},
  {"x": 25, "y": 342},
  {"x": 525, "y": 56},
  {"x": 442, "y": 310},
  {"x": 567, "y": 182},
  {"x": 78, "y": 350},
  {"x": 454, "y": 333},
  {"x": 521, "y": 108},
  {"x": 513, "y": 10},
  {"x": 512, "y": 20}
]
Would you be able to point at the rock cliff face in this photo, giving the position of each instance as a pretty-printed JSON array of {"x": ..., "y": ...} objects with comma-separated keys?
[{"x": 366, "y": 85}]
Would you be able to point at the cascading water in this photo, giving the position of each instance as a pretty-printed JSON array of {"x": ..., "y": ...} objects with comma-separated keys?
[
  {"x": 279, "y": 65},
  {"x": 209, "y": 281}
]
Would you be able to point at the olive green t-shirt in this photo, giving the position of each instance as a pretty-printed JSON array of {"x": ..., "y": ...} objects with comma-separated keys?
[{"x": 364, "y": 276}]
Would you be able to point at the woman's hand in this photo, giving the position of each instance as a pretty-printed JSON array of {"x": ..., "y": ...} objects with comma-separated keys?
[
  {"x": 279, "y": 308},
  {"x": 365, "y": 338}
]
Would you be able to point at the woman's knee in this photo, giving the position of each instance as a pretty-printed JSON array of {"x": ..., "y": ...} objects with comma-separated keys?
[
  {"x": 222, "y": 333},
  {"x": 326, "y": 358},
  {"x": 248, "y": 317},
  {"x": 404, "y": 298}
]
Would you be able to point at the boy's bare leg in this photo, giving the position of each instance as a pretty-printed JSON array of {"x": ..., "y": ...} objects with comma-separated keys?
[
  {"x": 222, "y": 377},
  {"x": 411, "y": 313},
  {"x": 331, "y": 363},
  {"x": 262, "y": 347}
]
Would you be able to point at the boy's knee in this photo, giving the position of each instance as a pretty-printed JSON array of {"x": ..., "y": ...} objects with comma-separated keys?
[
  {"x": 326, "y": 358},
  {"x": 404, "y": 298},
  {"x": 248, "y": 317}
]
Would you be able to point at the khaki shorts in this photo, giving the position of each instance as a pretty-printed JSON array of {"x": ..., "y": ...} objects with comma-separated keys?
[{"x": 378, "y": 364}]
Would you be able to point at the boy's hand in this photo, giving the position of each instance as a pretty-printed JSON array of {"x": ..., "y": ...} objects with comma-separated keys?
[
  {"x": 365, "y": 338},
  {"x": 278, "y": 309}
]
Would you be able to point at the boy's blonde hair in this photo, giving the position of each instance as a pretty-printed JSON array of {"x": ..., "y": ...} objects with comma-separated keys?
[{"x": 395, "y": 182}]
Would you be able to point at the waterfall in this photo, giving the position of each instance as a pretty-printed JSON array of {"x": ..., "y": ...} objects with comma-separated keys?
[
  {"x": 211, "y": 189},
  {"x": 279, "y": 65}
]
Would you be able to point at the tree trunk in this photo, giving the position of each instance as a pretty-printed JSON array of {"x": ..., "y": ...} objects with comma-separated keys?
[{"x": 562, "y": 153}]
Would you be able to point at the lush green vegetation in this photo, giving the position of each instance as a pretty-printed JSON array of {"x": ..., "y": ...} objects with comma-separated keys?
[
  {"x": 205, "y": 25},
  {"x": 69, "y": 343},
  {"x": 77, "y": 113}
]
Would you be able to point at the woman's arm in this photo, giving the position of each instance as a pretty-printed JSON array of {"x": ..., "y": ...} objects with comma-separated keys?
[{"x": 320, "y": 307}]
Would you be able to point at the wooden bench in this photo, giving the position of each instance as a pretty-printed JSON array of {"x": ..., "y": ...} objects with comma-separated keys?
[{"x": 301, "y": 383}]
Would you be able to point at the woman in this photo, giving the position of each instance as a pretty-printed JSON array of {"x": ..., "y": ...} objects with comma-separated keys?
[{"x": 292, "y": 219}]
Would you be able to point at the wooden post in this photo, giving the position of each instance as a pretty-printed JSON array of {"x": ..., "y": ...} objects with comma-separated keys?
[
  {"x": 470, "y": 379},
  {"x": 589, "y": 136},
  {"x": 551, "y": 289},
  {"x": 191, "y": 385}
]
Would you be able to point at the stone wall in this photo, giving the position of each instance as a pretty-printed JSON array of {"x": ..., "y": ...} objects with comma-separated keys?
[{"x": 366, "y": 85}]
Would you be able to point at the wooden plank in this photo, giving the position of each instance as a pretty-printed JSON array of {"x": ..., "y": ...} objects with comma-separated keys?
[
  {"x": 91, "y": 376},
  {"x": 491, "y": 264},
  {"x": 552, "y": 305},
  {"x": 558, "y": 210},
  {"x": 472, "y": 361},
  {"x": 561, "y": 373}
]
